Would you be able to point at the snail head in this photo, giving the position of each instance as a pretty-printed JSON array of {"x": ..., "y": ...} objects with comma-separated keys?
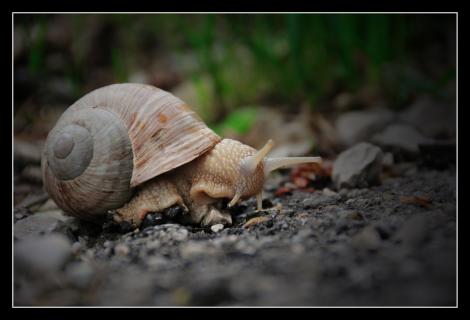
[{"x": 255, "y": 168}]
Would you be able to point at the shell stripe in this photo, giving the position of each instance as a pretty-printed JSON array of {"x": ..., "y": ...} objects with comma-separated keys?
[{"x": 164, "y": 132}]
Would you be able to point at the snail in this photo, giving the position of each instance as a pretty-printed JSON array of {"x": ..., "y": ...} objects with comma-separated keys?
[{"x": 132, "y": 149}]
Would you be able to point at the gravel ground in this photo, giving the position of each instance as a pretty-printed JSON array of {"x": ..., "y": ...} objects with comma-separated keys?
[{"x": 369, "y": 246}]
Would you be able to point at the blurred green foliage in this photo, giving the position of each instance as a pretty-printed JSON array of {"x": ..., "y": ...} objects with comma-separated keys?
[
  {"x": 245, "y": 59},
  {"x": 37, "y": 51},
  {"x": 239, "y": 121}
]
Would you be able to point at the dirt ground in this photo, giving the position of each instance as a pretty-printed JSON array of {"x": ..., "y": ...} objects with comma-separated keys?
[{"x": 391, "y": 244}]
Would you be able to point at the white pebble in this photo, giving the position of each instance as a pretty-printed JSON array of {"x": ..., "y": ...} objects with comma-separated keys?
[
  {"x": 76, "y": 247},
  {"x": 217, "y": 227}
]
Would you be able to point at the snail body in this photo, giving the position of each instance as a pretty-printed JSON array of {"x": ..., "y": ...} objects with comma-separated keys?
[{"x": 135, "y": 149}]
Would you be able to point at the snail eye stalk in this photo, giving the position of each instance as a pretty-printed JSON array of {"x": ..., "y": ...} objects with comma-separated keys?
[
  {"x": 271, "y": 164},
  {"x": 249, "y": 164}
]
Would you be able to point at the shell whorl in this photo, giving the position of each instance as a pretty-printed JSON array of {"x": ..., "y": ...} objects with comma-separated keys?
[
  {"x": 87, "y": 162},
  {"x": 115, "y": 138}
]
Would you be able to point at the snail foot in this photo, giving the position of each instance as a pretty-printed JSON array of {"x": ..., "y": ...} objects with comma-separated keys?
[
  {"x": 129, "y": 219},
  {"x": 115, "y": 223}
]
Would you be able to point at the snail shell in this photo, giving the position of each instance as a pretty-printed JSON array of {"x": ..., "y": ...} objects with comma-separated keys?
[{"x": 114, "y": 139}]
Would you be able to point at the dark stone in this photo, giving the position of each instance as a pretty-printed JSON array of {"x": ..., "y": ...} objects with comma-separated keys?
[
  {"x": 173, "y": 213},
  {"x": 359, "y": 166},
  {"x": 238, "y": 209},
  {"x": 270, "y": 223},
  {"x": 267, "y": 203},
  {"x": 125, "y": 226},
  {"x": 152, "y": 219},
  {"x": 110, "y": 226}
]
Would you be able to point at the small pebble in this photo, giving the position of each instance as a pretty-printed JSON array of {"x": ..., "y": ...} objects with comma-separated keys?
[
  {"x": 267, "y": 203},
  {"x": 329, "y": 192},
  {"x": 217, "y": 227},
  {"x": 121, "y": 249},
  {"x": 76, "y": 247}
]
